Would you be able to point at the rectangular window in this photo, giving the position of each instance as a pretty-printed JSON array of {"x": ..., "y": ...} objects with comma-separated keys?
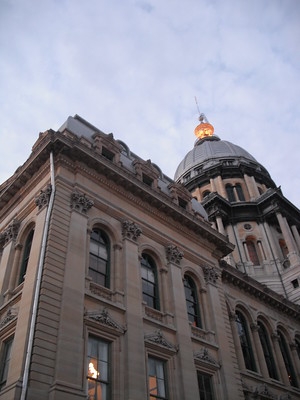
[
  {"x": 205, "y": 386},
  {"x": 157, "y": 384},
  {"x": 98, "y": 375},
  {"x": 5, "y": 361}
]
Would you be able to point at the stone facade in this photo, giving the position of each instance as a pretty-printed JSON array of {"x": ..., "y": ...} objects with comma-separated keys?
[{"x": 108, "y": 253}]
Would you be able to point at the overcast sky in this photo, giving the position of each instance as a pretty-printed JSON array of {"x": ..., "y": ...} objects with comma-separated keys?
[{"x": 134, "y": 67}]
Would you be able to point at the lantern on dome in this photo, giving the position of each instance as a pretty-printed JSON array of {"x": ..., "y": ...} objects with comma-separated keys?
[{"x": 204, "y": 129}]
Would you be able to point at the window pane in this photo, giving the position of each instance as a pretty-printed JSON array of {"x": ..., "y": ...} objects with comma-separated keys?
[
  {"x": 205, "y": 386},
  {"x": 156, "y": 379},
  {"x": 149, "y": 281},
  {"x": 5, "y": 361},
  {"x": 98, "y": 369},
  {"x": 245, "y": 341},
  {"x": 99, "y": 258}
]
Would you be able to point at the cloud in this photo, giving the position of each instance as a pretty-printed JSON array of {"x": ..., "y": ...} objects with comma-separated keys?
[{"x": 133, "y": 68}]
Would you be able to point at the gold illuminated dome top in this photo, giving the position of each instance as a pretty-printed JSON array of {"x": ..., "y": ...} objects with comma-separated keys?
[{"x": 204, "y": 129}]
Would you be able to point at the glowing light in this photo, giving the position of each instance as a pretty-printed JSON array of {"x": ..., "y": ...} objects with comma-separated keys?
[
  {"x": 92, "y": 371},
  {"x": 204, "y": 129}
]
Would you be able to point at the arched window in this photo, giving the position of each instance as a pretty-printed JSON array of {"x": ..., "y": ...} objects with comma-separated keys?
[
  {"x": 149, "y": 281},
  {"x": 253, "y": 255},
  {"x": 191, "y": 299},
  {"x": 297, "y": 342},
  {"x": 99, "y": 268},
  {"x": 230, "y": 193},
  {"x": 283, "y": 247},
  {"x": 245, "y": 341},
  {"x": 267, "y": 350},
  {"x": 287, "y": 359},
  {"x": 240, "y": 192},
  {"x": 26, "y": 254}
]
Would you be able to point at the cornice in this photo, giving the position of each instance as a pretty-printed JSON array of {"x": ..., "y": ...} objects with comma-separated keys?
[{"x": 249, "y": 285}]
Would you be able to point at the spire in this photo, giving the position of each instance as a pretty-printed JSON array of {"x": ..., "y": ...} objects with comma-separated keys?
[{"x": 204, "y": 129}]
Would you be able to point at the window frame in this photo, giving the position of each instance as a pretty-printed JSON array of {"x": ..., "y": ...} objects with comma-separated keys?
[
  {"x": 149, "y": 266},
  {"x": 25, "y": 256},
  {"x": 287, "y": 359},
  {"x": 97, "y": 276},
  {"x": 265, "y": 341},
  {"x": 5, "y": 360},
  {"x": 107, "y": 383},
  {"x": 195, "y": 317},
  {"x": 163, "y": 362},
  {"x": 207, "y": 395},
  {"x": 245, "y": 341}
]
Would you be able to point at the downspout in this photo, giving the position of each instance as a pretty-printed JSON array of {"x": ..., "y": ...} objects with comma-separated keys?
[{"x": 38, "y": 282}]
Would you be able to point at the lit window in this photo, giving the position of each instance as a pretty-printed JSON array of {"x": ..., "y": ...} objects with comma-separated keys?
[
  {"x": 205, "y": 386},
  {"x": 99, "y": 257},
  {"x": 98, "y": 378},
  {"x": 245, "y": 342},
  {"x": 5, "y": 361},
  {"x": 287, "y": 359},
  {"x": 149, "y": 281},
  {"x": 157, "y": 384},
  {"x": 192, "y": 301},
  {"x": 267, "y": 350},
  {"x": 26, "y": 254}
]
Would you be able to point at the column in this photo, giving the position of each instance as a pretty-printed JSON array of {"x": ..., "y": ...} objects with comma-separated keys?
[
  {"x": 220, "y": 224},
  {"x": 280, "y": 362},
  {"x": 212, "y": 185},
  {"x": 203, "y": 300},
  {"x": 187, "y": 382},
  {"x": 296, "y": 235},
  {"x": 259, "y": 353},
  {"x": 285, "y": 229},
  {"x": 166, "y": 297},
  {"x": 14, "y": 270},
  {"x": 251, "y": 186},
  {"x": 119, "y": 279},
  {"x": 220, "y": 186},
  {"x": 135, "y": 369},
  {"x": 261, "y": 249}
]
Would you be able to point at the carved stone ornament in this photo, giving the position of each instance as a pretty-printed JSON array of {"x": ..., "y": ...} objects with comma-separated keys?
[
  {"x": 174, "y": 255},
  {"x": 158, "y": 338},
  {"x": 80, "y": 202},
  {"x": 210, "y": 274},
  {"x": 43, "y": 198},
  {"x": 9, "y": 316},
  {"x": 11, "y": 232},
  {"x": 104, "y": 318},
  {"x": 130, "y": 230},
  {"x": 203, "y": 355},
  {"x": 264, "y": 391}
]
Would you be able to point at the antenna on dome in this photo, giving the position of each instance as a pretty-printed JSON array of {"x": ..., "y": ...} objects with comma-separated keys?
[{"x": 197, "y": 106}]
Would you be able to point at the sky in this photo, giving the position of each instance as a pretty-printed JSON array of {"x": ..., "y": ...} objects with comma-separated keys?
[{"x": 134, "y": 68}]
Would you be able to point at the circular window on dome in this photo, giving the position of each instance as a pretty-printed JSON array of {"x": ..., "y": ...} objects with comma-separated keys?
[{"x": 248, "y": 227}]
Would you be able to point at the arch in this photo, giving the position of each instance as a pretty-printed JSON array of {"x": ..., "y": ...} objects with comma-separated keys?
[
  {"x": 245, "y": 339},
  {"x": 192, "y": 301},
  {"x": 28, "y": 240},
  {"x": 252, "y": 250},
  {"x": 99, "y": 257},
  {"x": 150, "y": 290}
]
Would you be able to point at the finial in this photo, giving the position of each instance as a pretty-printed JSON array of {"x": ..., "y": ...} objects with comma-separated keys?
[{"x": 204, "y": 129}]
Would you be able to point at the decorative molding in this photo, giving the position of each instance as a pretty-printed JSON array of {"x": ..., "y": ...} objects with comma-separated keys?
[
  {"x": 154, "y": 314},
  {"x": 210, "y": 274},
  {"x": 100, "y": 291},
  {"x": 130, "y": 230},
  {"x": 264, "y": 391},
  {"x": 8, "y": 317},
  {"x": 80, "y": 202},
  {"x": 104, "y": 318},
  {"x": 43, "y": 198},
  {"x": 173, "y": 254},
  {"x": 11, "y": 232},
  {"x": 204, "y": 356},
  {"x": 158, "y": 338}
]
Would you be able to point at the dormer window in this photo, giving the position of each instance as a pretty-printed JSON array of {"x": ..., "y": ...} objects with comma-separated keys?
[
  {"x": 182, "y": 203},
  {"x": 147, "y": 180},
  {"x": 107, "y": 154}
]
